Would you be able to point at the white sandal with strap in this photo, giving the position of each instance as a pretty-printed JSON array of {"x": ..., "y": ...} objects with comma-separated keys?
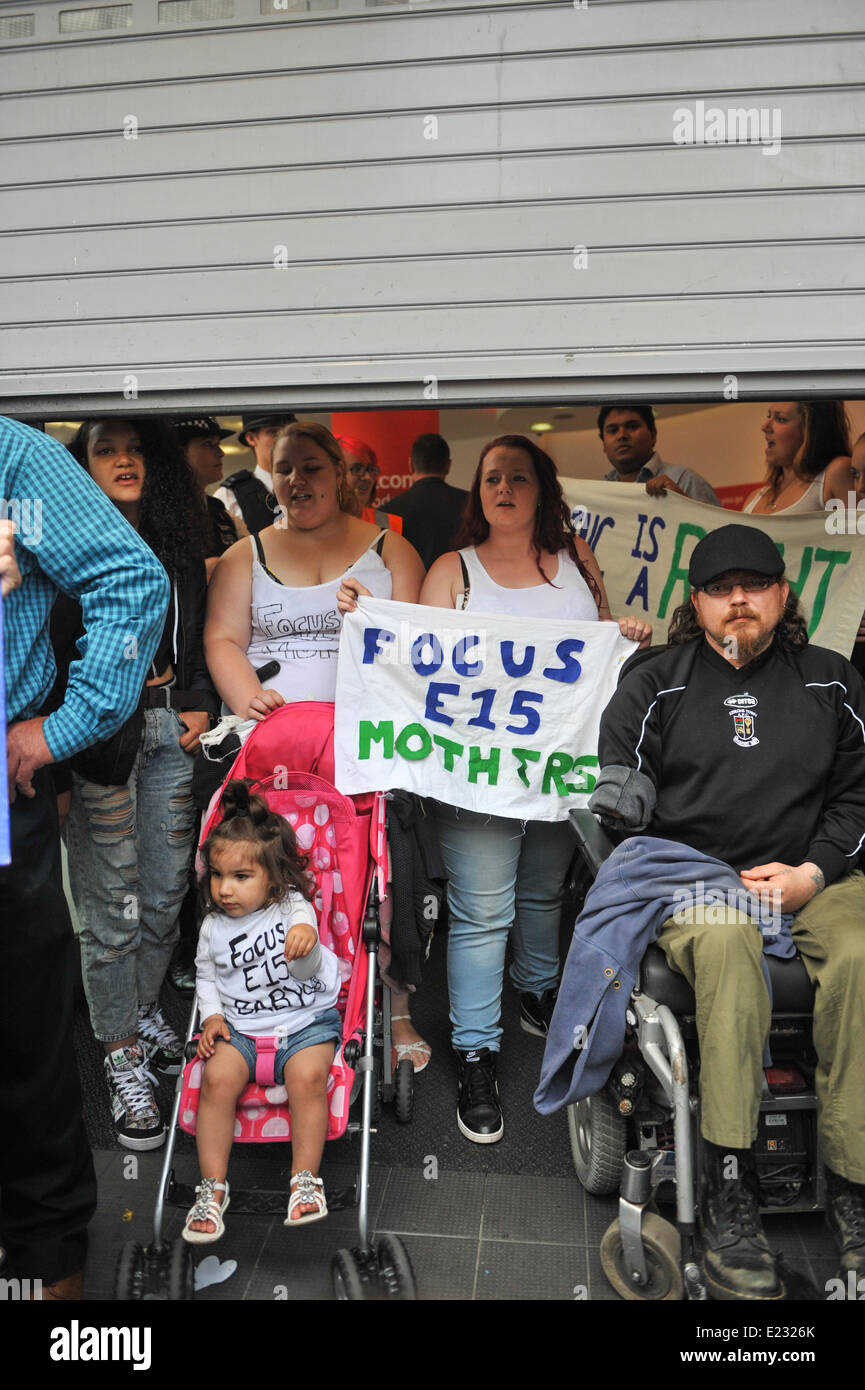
[
  {"x": 309, "y": 1191},
  {"x": 403, "y": 1050},
  {"x": 207, "y": 1208}
]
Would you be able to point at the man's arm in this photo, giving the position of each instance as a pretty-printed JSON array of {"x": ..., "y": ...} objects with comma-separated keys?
[
  {"x": 629, "y": 750},
  {"x": 840, "y": 833},
  {"x": 85, "y": 548}
]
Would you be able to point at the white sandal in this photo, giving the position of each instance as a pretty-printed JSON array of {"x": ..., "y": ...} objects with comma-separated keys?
[
  {"x": 403, "y": 1050},
  {"x": 207, "y": 1208},
  {"x": 309, "y": 1190}
]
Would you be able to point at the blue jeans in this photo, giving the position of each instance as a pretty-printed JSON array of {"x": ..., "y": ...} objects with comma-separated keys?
[
  {"x": 326, "y": 1028},
  {"x": 129, "y": 851},
  {"x": 503, "y": 875}
]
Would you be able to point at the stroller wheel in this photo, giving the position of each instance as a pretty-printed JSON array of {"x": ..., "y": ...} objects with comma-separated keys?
[
  {"x": 599, "y": 1142},
  {"x": 129, "y": 1274},
  {"x": 181, "y": 1273},
  {"x": 663, "y": 1254},
  {"x": 348, "y": 1284},
  {"x": 395, "y": 1273},
  {"x": 404, "y": 1091}
]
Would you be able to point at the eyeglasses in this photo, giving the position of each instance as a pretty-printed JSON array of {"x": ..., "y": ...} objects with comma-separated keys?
[
  {"x": 357, "y": 470},
  {"x": 722, "y": 588}
]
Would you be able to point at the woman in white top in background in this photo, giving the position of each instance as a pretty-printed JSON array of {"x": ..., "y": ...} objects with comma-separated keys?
[
  {"x": 807, "y": 458},
  {"x": 274, "y": 597},
  {"x": 278, "y": 600},
  {"x": 522, "y": 558}
]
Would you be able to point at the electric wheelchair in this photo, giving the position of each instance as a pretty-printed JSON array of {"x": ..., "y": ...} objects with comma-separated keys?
[{"x": 641, "y": 1133}]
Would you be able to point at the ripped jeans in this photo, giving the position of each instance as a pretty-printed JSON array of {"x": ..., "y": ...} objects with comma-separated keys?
[
  {"x": 129, "y": 850},
  {"x": 504, "y": 876}
]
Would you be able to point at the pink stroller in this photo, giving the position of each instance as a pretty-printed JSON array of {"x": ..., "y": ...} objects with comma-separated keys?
[{"x": 345, "y": 841}]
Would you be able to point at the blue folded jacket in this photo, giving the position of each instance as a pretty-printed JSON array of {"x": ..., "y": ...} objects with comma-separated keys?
[{"x": 644, "y": 881}]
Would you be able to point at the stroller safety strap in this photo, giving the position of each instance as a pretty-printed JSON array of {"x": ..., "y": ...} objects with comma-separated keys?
[{"x": 265, "y": 1060}]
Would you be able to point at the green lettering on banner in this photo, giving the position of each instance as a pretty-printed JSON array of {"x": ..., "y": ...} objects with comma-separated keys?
[
  {"x": 414, "y": 731},
  {"x": 830, "y": 558},
  {"x": 581, "y": 770},
  {"x": 677, "y": 574},
  {"x": 798, "y": 584},
  {"x": 368, "y": 733},
  {"x": 450, "y": 749},
  {"x": 479, "y": 765},
  {"x": 556, "y": 766},
  {"x": 523, "y": 756}
]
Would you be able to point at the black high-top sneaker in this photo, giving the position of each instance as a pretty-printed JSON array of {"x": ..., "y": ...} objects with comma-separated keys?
[
  {"x": 479, "y": 1114},
  {"x": 737, "y": 1261},
  {"x": 536, "y": 1010},
  {"x": 845, "y": 1217}
]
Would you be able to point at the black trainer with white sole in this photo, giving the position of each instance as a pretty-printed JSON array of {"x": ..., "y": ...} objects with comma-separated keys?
[
  {"x": 159, "y": 1040},
  {"x": 479, "y": 1114},
  {"x": 536, "y": 1010}
]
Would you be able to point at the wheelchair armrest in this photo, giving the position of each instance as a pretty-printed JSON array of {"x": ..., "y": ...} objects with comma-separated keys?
[{"x": 593, "y": 842}]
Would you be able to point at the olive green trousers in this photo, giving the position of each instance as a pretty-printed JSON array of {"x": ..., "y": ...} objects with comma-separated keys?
[{"x": 722, "y": 962}]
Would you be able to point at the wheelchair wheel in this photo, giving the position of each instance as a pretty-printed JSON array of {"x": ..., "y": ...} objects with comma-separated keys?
[
  {"x": 395, "y": 1273},
  {"x": 129, "y": 1274},
  {"x": 663, "y": 1253},
  {"x": 404, "y": 1091},
  {"x": 348, "y": 1286},
  {"x": 599, "y": 1142},
  {"x": 181, "y": 1273}
]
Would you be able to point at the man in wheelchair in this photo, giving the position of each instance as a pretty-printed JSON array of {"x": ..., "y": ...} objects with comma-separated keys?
[{"x": 744, "y": 742}]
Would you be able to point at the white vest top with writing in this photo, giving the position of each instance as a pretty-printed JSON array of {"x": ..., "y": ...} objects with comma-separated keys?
[
  {"x": 241, "y": 971},
  {"x": 300, "y": 627}
]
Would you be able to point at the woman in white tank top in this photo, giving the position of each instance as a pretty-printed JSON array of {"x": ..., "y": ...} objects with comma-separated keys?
[
  {"x": 807, "y": 457},
  {"x": 274, "y": 597},
  {"x": 277, "y": 599},
  {"x": 507, "y": 875}
]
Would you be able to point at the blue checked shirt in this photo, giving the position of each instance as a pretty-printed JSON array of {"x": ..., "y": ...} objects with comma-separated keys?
[{"x": 71, "y": 537}]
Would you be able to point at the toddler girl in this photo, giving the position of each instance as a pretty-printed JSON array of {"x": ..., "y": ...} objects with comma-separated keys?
[{"x": 260, "y": 971}]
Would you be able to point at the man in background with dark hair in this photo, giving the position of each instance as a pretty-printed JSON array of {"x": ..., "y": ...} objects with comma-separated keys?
[
  {"x": 744, "y": 742},
  {"x": 628, "y": 436},
  {"x": 431, "y": 509}
]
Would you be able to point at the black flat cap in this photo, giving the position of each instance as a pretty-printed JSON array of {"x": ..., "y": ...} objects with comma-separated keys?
[{"x": 733, "y": 547}]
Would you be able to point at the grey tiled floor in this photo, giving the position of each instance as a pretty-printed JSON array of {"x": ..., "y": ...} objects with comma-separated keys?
[{"x": 483, "y": 1236}]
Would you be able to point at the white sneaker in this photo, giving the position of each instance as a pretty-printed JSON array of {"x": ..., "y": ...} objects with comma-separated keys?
[
  {"x": 161, "y": 1044},
  {"x": 133, "y": 1104}
]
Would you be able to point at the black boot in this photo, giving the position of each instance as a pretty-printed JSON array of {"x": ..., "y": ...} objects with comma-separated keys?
[
  {"x": 479, "y": 1114},
  {"x": 845, "y": 1217},
  {"x": 737, "y": 1261}
]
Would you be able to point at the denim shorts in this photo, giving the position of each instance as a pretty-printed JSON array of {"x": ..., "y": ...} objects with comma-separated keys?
[{"x": 326, "y": 1028}]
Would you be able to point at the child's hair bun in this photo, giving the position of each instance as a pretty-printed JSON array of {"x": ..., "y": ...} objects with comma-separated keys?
[{"x": 238, "y": 800}]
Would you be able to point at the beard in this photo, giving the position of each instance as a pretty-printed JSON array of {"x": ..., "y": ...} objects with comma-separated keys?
[{"x": 740, "y": 641}]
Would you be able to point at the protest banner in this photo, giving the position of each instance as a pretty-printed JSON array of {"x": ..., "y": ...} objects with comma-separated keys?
[
  {"x": 643, "y": 545},
  {"x": 488, "y": 713}
]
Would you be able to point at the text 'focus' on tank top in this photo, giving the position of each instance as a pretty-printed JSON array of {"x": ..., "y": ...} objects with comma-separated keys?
[
  {"x": 300, "y": 628},
  {"x": 568, "y": 596}
]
